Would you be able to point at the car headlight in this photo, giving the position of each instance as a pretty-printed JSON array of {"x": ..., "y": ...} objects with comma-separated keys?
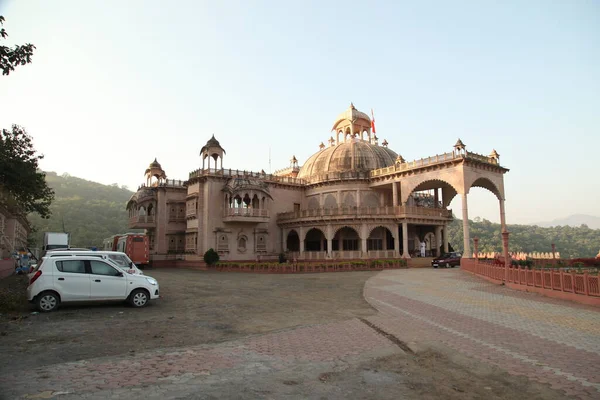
[{"x": 152, "y": 281}]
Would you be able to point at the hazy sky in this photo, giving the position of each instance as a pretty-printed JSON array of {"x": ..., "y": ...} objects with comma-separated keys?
[{"x": 114, "y": 84}]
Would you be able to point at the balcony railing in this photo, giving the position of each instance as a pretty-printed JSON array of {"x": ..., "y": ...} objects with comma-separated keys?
[
  {"x": 236, "y": 173},
  {"x": 437, "y": 159},
  {"x": 365, "y": 212},
  {"x": 245, "y": 215},
  {"x": 141, "y": 221}
]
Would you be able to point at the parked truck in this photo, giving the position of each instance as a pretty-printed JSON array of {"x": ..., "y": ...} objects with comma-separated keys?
[
  {"x": 135, "y": 245},
  {"x": 56, "y": 240}
]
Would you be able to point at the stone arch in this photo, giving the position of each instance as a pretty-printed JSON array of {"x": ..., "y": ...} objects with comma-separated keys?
[
  {"x": 387, "y": 227},
  {"x": 313, "y": 203},
  {"x": 487, "y": 183},
  {"x": 449, "y": 190},
  {"x": 315, "y": 240},
  {"x": 340, "y": 227},
  {"x": 292, "y": 241},
  {"x": 330, "y": 201},
  {"x": 380, "y": 237},
  {"x": 347, "y": 238},
  {"x": 349, "y": 200}
]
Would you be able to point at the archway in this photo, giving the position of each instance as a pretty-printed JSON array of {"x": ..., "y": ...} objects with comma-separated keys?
[
  {"x": 346, "y": 239},
  {"x": 315, "y": 240},
  {"x": 293, "y": 241},
  {"x": 380, "y": 238}
]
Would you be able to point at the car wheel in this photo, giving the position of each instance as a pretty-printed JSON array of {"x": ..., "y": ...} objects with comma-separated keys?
[
  {"x": 448, "y": 265},
  {"x": 435, "y": 266},
  {"x": 139, "y": 298},
  {"x": 47, "y": 301}
]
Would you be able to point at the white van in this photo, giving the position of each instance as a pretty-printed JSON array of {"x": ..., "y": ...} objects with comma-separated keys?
[
  {"x": 75, "y": 278},
  {"x": 118, "y": 257}
]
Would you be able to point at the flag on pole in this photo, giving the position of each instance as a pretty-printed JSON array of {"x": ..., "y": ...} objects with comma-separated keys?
[{"x": 373, "y": 121}]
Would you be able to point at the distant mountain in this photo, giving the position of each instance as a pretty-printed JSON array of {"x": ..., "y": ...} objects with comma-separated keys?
[
  {"x": 574, "y": 220},
  {"x": 88, "y": 210}
]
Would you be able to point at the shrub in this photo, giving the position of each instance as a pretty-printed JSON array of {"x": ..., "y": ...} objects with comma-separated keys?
[
  {"x": 211, "y": 257},
  {"x": 282, "y": 258}
]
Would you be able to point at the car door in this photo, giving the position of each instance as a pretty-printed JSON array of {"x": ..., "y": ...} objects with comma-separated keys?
[
  {"x": 71, "y": 280},
  {"x": 107, "y": 282}
]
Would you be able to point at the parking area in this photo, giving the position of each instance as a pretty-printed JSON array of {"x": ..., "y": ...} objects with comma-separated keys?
[
  {"x": 426, "y": 333},
  {"x": 195, "y": 308}
]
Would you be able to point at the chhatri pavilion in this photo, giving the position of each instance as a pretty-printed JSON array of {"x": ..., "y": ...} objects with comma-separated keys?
[{"x": 354, "y": 198}]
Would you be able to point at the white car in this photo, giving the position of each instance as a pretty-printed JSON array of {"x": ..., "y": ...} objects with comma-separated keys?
[
  {"x": 118, "y": 257},
  {"x": 86, "y": 278}
]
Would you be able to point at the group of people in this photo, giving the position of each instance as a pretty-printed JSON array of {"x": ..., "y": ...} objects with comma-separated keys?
[{"x": 22, "y": 263}]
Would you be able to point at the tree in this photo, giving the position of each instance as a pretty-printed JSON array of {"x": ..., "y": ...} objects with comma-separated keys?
[
  {"x": 10, "y": 57},
  {"x": 20, "y": 177}
]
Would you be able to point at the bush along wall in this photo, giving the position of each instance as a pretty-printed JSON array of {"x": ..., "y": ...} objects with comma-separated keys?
[{"x": 309, "y": 266}]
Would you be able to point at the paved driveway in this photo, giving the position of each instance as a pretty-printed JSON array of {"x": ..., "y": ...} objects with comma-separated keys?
[{"x": 547, "y": 340}]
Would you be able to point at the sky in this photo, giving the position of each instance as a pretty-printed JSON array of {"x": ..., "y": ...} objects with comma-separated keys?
[{"x": 114, "y": 84}]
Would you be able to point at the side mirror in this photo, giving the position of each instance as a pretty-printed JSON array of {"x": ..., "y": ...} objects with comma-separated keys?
[
  {"x": 120, "y": 274},
  {"x": 130, "y": 264}
]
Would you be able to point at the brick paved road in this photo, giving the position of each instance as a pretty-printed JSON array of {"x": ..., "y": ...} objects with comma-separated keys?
[{"x": 547, "y": 340}]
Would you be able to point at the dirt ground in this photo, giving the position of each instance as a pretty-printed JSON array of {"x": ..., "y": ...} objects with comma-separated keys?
[{"x": 206, "y": 307}]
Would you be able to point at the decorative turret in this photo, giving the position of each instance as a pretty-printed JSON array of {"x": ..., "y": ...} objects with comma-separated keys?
[
  {"x": 494, "y": 154},
  {"x": 460, "y": 147},
  {"x": 400, "y": 160},
  {"x": 331, "y": 141},
  {"x": 321, "y": 146},
  {"x": 212, "y": 149},
  {"x": 352, "y": 123},
  {"x": 384, "y": 143},
  {"x": 155, "y": 170}
]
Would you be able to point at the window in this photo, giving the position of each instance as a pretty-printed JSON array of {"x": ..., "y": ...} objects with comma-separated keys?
[
  {"x": 138, "y": 239},
  {"x": 100, "y": 268},
  {"x": 120, "y": 260},
  {"x": 71, "y": 266}
]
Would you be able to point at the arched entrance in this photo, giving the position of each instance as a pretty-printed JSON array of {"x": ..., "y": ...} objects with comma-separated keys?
[
  {"x": 346, "y": 239},
  {"x": 380, "y": 238},
  {"x": 315, "y": 240},
  {"x": 293, "y": 241}
]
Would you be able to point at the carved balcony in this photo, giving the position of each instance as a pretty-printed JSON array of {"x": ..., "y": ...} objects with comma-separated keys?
[{"x": 250, "y": 215}]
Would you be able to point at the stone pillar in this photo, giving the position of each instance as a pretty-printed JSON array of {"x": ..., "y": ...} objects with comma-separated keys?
[
  {"x": 396, "y": 243},
  {"x": 476, "y": 245},
  {"x": 445, "y": 238},
  {"x": 466, "y": 236},
  {"x": 438, "y": 234},
  {"x": 435, "y": 197},
  {"x": 221, "y": 162},
  {"x": 394, "y": 194},
  {"x": 502, "y": 216},
  {"x": 329, "y": 240},
  {"x": 405, "y": 240},
  {"x": 506, "y": 255},
  {"x": 357, "y": 197},
  {"x": 301, "y": 234},
  {"x": 363, "y": 240},
  {"x": 339, "y": 198}
]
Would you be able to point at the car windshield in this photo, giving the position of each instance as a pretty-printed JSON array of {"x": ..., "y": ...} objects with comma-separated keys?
[{"x": 121, "y": 260}]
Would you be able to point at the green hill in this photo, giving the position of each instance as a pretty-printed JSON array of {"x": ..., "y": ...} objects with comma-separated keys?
[
  {"x": 88, "y": 210},
  {"x": 571, "y": 242}
]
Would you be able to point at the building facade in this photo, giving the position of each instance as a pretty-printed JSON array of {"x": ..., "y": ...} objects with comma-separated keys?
[
  {"x": 14, "y": 227},
  {"x": 354, "y": 198}
]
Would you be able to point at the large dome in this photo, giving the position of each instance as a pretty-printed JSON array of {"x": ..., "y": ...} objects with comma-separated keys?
[{"x": 339, "y": 159}]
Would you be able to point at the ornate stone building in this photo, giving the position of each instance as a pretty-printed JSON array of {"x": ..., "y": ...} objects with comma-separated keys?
[{"x": 354, "y": 198}]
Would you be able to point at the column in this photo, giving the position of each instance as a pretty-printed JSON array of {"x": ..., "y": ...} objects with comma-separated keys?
[
  {"x": 329, "y": 240},
  {"x": 507, "y": 260},
  {"x": 363, "y": 240},
  {"x": 466, "y": 236},
  {"x": 221, "y": 162},
  {"x": 445, "y": 238},
  {"x": 405, "y": 240},
  {"x": 357, "y": 198},
  {"x": 438, "y": 234},
  {"x": 435, "y": 197},
  {"x": 301, "y": 234},
  {"x": 339, "y": 198},
  {"x": 396, "y": 244},
  {"x": 502, "y": 216},
  {"x": 394, "y": 194}
]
